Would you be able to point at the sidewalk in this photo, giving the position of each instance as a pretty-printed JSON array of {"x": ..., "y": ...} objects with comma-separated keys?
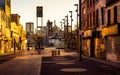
[
  {"x": 114, "y": 64},
  {"x": 24, "y": 63},
  {"x": 66, "y": 64}
]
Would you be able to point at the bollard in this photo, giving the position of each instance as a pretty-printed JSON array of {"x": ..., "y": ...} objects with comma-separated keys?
[
  {"x": 53, "y": 53},
  {"x": 58, "y": 52}
]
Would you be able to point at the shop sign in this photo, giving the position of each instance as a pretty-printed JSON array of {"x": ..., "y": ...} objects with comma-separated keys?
[{"x": 111, "y": 30}]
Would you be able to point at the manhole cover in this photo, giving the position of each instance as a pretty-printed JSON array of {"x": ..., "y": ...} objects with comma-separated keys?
[
  {"x": 65, "y": 63},
  {"x": 73, "y": 70}
]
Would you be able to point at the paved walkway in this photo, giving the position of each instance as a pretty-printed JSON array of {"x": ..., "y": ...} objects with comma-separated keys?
[
  {"x": 33, "y": 63},
  {"x": 67, "y": 65},
  {"x": 25, "y": 63}
]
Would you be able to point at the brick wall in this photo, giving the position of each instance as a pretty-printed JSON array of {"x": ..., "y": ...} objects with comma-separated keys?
[{"x": 112, "y": 47}]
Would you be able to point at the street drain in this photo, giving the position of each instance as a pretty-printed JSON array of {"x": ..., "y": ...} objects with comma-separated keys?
[{"x": 73, "y": 70}]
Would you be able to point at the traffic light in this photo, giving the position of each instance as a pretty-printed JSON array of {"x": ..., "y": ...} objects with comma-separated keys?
[{"x": 39, "y": 11}]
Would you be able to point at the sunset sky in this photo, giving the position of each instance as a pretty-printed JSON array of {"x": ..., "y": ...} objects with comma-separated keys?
[{"x": 52, "y": 10}]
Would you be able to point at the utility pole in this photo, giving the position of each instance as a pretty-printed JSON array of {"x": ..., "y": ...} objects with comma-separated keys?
[{"x": 71, "y": 27}]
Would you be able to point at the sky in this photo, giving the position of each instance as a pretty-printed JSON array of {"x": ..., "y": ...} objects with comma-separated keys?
[{"x": 52, "y": 10}]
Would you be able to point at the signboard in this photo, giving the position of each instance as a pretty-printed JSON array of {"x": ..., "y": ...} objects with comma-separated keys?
[
  {"x": 80, "y": 32},
  {"x": 111, "y": 30},
  {"x": 39, "y": 11}
]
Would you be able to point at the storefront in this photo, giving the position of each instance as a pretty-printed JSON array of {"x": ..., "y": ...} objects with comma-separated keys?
[{"x": 112, "y": 42}]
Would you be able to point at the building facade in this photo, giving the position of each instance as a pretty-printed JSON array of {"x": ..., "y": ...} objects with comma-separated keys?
[
  {"x": 2, "y": 31},
  {"x": 89, "y": 29},
  {"x": 111, "y": 31},
  {"x": 30, "y": 34},
  {"x": 5, "y": 7},
  {"x": 100, "y": 21},
  {"x": 10, "y": 29},
  {"x": 101, "y": 36}
]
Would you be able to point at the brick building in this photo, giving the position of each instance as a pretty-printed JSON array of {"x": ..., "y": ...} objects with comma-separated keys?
[
  {"x": 111, "y": 31},
  {"x": 100, "y": 22},
  {"x": 89, "y": 29},
  {"x": 50, "y": 30},
  {"x": 101, "y": 38}
]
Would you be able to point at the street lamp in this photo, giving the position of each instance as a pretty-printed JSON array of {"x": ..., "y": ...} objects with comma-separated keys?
[
  {"x": 80, "y": 30},
  {"x": 61, "y": 29},
  {"x": 67, "y": 29},
  {"x": 77, "y": 16},
  {"x": 77, "y": 42},
  {"x": 64, "y": 31},
  {"x": 71, "y": 27}
]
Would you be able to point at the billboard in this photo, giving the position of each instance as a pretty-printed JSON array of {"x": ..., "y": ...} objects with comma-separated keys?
[{"x": 39, "y": 11}]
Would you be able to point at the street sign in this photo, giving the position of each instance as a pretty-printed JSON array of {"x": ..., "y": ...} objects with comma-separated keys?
[{"x": 80, "y": 32}]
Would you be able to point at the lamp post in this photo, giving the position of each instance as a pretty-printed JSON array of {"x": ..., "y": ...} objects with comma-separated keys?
[
  {"x": 71, "y": 27},
  {"x": 64, "y": 30},
  {"x": 61, "y": 29},
  {"x": 80, "y": 30},
  {"x": 67, "y": 29},
  {"x": 77, "y": 25},
  {"x": 64, "y": 26}
]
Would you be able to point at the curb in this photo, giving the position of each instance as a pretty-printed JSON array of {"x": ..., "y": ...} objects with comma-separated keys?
[{"x": 113, "y": 64}]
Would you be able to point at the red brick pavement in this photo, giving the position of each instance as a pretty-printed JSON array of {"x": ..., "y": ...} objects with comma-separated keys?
[{"x": 26, "y": 63}]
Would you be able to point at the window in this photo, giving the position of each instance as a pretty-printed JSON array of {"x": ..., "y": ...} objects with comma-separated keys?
[
  {"x": 97, "y": 24},
  {"x": 94, "y": 18},
  {"x": 87, "y": 21},
  {"x": 97, "y": 1},
  {"x": 90, "y": 20},
  {"x": 88, "y": 3},
  {"x": 108, "y": 17},
  {"x": 102, "y": 15},
  {"x": 93, "y": 1},
  {"x": 84, "y": 11},
  {"x": 115, "y": 14}
]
